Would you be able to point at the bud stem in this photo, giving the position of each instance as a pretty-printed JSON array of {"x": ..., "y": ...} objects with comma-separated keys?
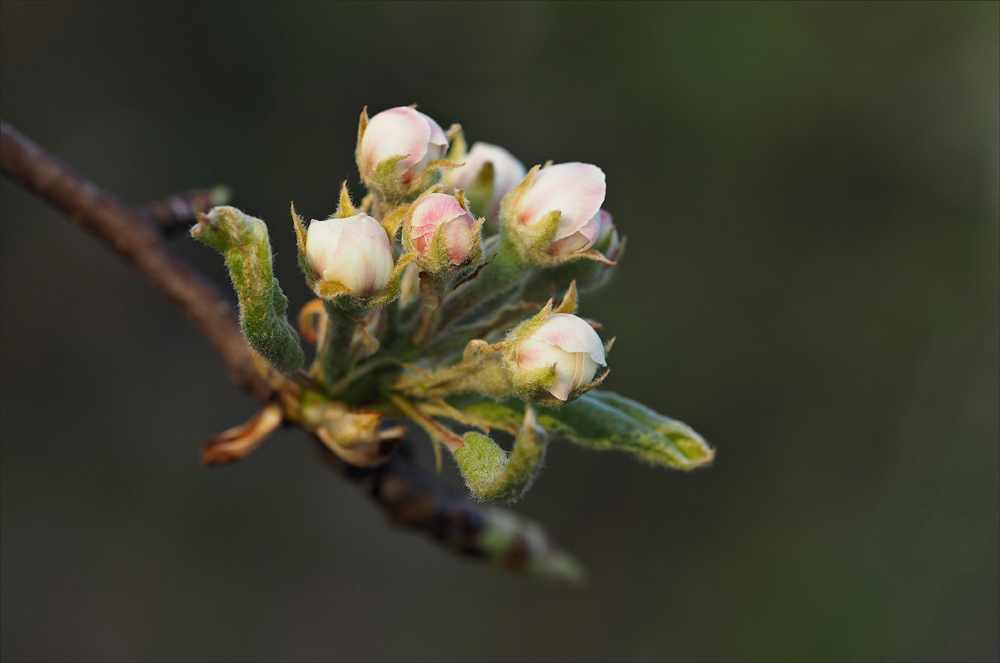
[
  {"x": 480, "y": 375},
  {"x": 498, "y": 276},
  {"x": 432, "y": 290},
  {"x": 334, "y": 357}
]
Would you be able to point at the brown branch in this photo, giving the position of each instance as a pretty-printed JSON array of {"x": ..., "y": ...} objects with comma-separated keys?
[
  {"x": 408, "y": 495},
  {"x": 139, "y": 241}
]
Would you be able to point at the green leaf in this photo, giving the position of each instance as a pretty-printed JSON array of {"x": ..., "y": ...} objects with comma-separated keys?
[
  {"x": 244, "y": 243},
  {"x": 604, "y": 420},
  {"x": 493, "y": 475}
]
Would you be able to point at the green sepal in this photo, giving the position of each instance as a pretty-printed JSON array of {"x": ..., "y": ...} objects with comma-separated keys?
[
  {"x": 590, "y": 275},
  {"x": 491, "y": 474},
  {"x": 457, "y": 149},
  {"x": 532, "y": 243},
  {"x": 244, "y": 243},
  {"x": 393, "y": 221},
  {"x": 301, "y": 236},
  {"x": 480, "y": 190},
  {"x": 604, "y": 420}
]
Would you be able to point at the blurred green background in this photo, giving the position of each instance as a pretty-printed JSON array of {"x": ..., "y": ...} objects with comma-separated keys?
[{"x": 811, "y": 197}]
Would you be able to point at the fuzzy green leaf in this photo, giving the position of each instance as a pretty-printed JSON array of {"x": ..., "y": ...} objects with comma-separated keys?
[
  {"x": 493, "y": 475},
  {"x": 244, "y": 243},
  {"x": 604, "y": 420}
]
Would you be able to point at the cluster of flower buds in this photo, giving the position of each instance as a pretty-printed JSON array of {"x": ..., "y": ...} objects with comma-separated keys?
[{"x": 448, "y": 296}]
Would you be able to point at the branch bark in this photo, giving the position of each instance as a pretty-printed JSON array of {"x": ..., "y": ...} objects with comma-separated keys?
[
  {"x": 135, "y": 237},
  {"x": 408, "y": 495}
]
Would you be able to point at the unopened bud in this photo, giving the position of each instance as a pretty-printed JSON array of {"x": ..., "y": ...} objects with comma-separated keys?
[
  {"x": 507, "y": 172},
  {"x": 607, "y": 234},
  {"x": 555, "y": 212},
  {"x": 401, "y": 132},
  {"x": 438, "y": 224},
  {"x": 568, "y": 344},
  {"x": 354, "y": 252}
]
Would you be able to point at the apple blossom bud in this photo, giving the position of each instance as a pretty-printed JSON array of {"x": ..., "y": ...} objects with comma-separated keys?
[
  {"x": 438, "y": 210},
  {"x": 607, "y": 234},
  {"x": 354, "y": 252},
  {"x": 507, "y": 173},
  {"x": 570, "y": 344},
  {"x": 405, "y": 132},
  {"x": 576, "y": 191}
]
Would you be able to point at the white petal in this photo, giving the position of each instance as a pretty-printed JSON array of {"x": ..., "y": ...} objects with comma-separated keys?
[
  {"x": 577, "y": 190},
  {"x": 321, "y": 243},
  {"x": 573, "y": 369},
  {"x": 572, "y": 334},
  {"x": 508, "y": 171},
  {"x": 363, "y": 259},
  {"x": 581, "y": 240},
  {"x": 436, "y": 147},
  {"x": 395, "y": 132}
]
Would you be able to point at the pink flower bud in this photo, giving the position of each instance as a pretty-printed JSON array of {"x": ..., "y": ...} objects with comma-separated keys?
[
  {"x": 577, "y": 191},
  {"x": 568, "y": 342},
  {"x": 507, "y": 173},
  {"x": 438, "y": 210},
  {"x": 398, "y": 132},
  {"x": 354, "y": 252}
]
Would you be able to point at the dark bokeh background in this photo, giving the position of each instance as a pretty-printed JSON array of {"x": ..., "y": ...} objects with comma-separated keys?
[{"x": 811, "y": 195}]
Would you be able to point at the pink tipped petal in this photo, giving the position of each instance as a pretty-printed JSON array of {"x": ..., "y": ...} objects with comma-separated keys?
[
  {"x": 576, "y": 190},
  {"x": 458, "y": 238},
  {"x": 572, "y": 334},
  {"x": 437, "y": 137},
  {"x": 395, "y": 132},
  {"x": 432, "y": 210},
  {"x": 435, "y": 210}
]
